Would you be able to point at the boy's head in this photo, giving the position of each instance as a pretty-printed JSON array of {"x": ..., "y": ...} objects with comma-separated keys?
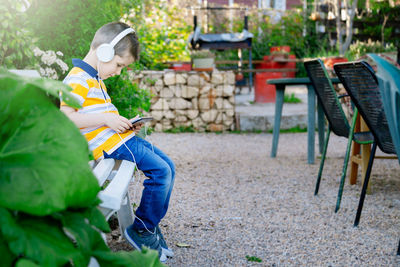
[{"x": 126, "y": 50}]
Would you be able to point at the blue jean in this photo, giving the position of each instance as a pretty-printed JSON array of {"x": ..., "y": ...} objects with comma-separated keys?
[{"x": 160, "y": 170}]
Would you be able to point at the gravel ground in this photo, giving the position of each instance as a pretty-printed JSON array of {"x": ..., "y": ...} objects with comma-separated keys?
[{"x": 231, "y": 200}]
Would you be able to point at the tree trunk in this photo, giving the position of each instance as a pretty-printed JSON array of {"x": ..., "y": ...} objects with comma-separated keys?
[
  {"x": 349, "y": 26},
  {"x": 338, "y": 25}
]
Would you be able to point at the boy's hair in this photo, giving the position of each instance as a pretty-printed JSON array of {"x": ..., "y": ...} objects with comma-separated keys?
[{"x": 109, "y": 31}]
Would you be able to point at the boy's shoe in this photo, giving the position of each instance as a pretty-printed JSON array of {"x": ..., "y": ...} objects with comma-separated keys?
[
  {"x": 164, "y": 247},
  {"x": 143, "y": 238}
]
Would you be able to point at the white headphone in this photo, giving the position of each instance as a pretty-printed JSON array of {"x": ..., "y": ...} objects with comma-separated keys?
[{"x": 105, "y": 52}]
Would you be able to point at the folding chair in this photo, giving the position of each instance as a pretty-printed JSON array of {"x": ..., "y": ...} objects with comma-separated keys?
[
  {"x": 360, "y": 82},
  {"x": 338, "y": 123}
]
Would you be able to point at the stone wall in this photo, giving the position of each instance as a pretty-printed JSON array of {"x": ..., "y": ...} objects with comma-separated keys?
[{"x": 202, "y": 100}]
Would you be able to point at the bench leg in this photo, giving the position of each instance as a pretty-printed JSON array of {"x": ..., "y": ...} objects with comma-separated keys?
[{"x": 125, "y": 215}]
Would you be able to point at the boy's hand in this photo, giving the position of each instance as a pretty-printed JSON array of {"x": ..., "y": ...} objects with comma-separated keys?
[
  {"x": 137, "y": 126},
  {"x": 117, "y": 123}
]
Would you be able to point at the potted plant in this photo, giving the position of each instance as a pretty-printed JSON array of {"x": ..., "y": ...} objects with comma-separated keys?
[{"x": 202, "y": 60}]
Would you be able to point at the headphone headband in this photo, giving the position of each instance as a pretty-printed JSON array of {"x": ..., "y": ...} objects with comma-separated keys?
[
  {"x": 121, "y": 35},
  {"x": 105, "y": 52}
]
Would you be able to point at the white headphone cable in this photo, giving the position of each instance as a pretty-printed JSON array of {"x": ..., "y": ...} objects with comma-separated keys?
[{"x": 123, "y": 142}]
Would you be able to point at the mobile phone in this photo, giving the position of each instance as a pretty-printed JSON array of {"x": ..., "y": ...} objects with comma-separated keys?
[{"x": 141, "y": 120}]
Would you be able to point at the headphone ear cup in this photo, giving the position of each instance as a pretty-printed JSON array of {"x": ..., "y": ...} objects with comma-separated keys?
[{"x": 105, "y": 52}]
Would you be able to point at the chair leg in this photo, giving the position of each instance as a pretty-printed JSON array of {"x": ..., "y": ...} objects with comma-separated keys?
[
  {"x": 365, "y": 185},
  {"x": 321, "y": 166},
  {"x": 398, "y": 249},
  {"x": 345, "y": 163}
]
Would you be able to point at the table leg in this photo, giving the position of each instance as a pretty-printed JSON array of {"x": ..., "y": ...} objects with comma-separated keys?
[
  {"x": 365, "y": 154},
  {"x": 280, "y": 92},
  {"x": 321, "y": 127},
  {"x": 355, "y": 158},
  {"x": 311, "y": 123}
]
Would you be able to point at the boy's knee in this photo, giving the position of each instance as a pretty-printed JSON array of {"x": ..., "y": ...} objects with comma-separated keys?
[
  {"x": 172, "y": 166},
  {"x": 166, "y": 172}
]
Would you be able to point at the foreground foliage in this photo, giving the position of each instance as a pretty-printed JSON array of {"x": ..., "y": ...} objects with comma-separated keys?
[{"x": 48, "y": 194}]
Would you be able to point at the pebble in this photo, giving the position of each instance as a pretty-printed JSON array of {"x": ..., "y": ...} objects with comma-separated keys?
[{"x": 231, "y": 200}]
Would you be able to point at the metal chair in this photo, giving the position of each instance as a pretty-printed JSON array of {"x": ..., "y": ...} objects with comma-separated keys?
[
  {"x": 360, "y": 82},
  {"x": 338, "y": 123}
]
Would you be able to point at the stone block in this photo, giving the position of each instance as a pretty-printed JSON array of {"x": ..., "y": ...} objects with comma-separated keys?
[
  {"x": 217, "y": 77},
  {"x": 193, "y": 113},
  {"x": 204, "y": 104},
  {"x": 190, "y": 92},
  {"x": 219, "y": 90},
  {"x": 227, "y": 104},
  {"x": 169, "y": 78},
  {"x": 161, "y": 104},
  {"x": 180, "y": 79},
  {"x": 228, "y": 90},
  {"x": 193, "y": 80},
  {"x": 229, "y": 78},
  {"x": 209, "y": 115},
  {"x": 166, "y": 92},
  {"x": 157, "y": 114},
  {"x": 219, "y": 102},
  {"x": 169, "y": 115},
  {"x": 180, "y": 103}
]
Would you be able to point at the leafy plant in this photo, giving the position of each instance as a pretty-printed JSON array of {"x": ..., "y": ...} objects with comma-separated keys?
[
  {"x": 50, "y": 65},
  {"x": 253, "y": 258},
  {"x": 291, "y": 99},
  {"x": 359, "y": 49},
  {"x": 296, "y": 129},
  {"x": 16, "y": 41},
  {"x": 127, "y": 96},
  {"x": 72, "y": 27},
  {"x": 48, "y": 193},
  {"x": 162, "y": 31},
  {"x": 181, "y": 129}
]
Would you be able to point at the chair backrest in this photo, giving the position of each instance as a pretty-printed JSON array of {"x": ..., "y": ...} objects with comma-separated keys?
[
  {"x": 359, "y": 80},
  {"x": 389, "y": 84},
  {"x": 327, "y": 97}
]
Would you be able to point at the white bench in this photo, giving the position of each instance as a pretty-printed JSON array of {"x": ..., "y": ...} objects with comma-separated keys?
[{"x": 114, "y": 196}]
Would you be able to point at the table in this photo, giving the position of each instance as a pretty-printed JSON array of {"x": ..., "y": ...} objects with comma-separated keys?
[{"x": 280, "y": 85}]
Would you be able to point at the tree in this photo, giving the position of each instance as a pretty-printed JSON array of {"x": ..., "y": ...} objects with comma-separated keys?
[{"x": 349, "y": 17}]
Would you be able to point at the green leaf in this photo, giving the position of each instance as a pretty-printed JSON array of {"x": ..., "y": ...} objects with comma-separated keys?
[
  {"x": 50, "y": 86},
  {"x": 97, "y": 219},
  {"x": 84, "y": 235},
  {"x": 43, "y": 156},
  {"x": 146, "y": 257},
  {"x": 38, "y": 238},
  {"x": 25, "y": 263},
  {"x": 7, "y": 257}
]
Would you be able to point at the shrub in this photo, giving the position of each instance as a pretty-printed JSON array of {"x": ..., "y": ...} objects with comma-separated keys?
[
  {"x": 127, "y": 96},
  {"x": 16, "y": 41},
  {"x": 162, "y": 30},
  {"x": 69, "y": 26},
  {"x": 359, "y": 49}
]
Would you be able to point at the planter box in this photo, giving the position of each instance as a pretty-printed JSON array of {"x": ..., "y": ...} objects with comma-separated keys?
[{"x": 203, "y": 63}]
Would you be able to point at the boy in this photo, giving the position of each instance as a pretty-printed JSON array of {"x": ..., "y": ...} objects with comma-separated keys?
[{"x": 110, "y": 135}]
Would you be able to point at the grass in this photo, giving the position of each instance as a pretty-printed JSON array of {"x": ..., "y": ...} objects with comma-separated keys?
[
  {"x": 181, "y": 129},
  {"x": 291, "y": 99},
  {"x": 296, "y": 129},
  {"x": 253, "y": 258}
]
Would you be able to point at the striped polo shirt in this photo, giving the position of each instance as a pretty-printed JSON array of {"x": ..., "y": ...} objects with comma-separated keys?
[{"x": 91, "y": 93}]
